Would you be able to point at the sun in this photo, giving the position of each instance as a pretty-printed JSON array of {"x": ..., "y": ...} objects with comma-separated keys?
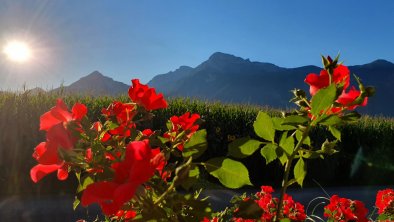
[{"x": 17, "y": 51}]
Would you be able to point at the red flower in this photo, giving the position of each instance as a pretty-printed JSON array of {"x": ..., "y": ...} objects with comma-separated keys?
[
  {"x": 55, "y": 123},
  {"x": 135, "y": 169},
  {"x": 41, "y": 170},
  {"x": 88, "y": 155},
  {"x": 342, "y": 209},
  {"x": 145, "y": 96},
  {"x": 291, "y": 209},
  {"x": 122, "y": 112},
  {"x": 341, "y": 74},
  {"x": 184, "y": 123},
  {"x": 126, "y": 215},
  {"x": 147, "y": 132},
  {"x": 60, "y": 114},
  {"x": 347, "y": 98},
  {"x": 385, "y": 202},
  {"x": 206, "y": 219}
]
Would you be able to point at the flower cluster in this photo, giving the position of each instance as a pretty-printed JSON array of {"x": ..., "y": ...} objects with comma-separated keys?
[
  {"x": 268, "y": 204},
  {"x": 344, "y": 210},
  {"x": 182, "y": 128},
  {"x": 113, "y": 160},
  {"x": 385, "y": 204},
  {"x": 347, "y": 98},
  {"x": 56, "y": 123}
]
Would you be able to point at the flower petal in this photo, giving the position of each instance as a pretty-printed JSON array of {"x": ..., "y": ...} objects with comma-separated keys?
[
  {"x": 39, "y": 171},
  {"x": 79, "y": 111},
  {"x": 98, "y": 192},
  {"x": 62, "y": 172}
]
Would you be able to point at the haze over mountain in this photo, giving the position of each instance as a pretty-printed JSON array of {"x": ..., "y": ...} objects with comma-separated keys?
[{"x": 230, "y": 79}]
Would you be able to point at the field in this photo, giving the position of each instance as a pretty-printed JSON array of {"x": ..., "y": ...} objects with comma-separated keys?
[{"x": 365, "y": 156}]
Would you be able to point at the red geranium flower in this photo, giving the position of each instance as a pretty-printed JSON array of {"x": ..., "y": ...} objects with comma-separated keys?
[
  {"x": 135, "y": 169},
  {"x": 122, "y": 112},
  {"x": 145, "y": 96},
  {"x": 58, "y": 136},
  {"x": 184, "y": 123},
  {"x": 126, "y": 215},
  {"x": 341, "y": 74},
  {"x": 347, "y": 98},
  {"x": 60, "y": 114},
  {"x": 342, "y": 209},
  {"x": 291, "y": 209},
  {"x": 385, "y": 202}
]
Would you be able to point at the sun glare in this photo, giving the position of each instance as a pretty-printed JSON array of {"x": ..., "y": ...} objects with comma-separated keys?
[{"x": 17, "y": 51}]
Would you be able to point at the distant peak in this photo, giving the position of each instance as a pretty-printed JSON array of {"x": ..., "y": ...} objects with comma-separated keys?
[
  {"x": 95, "y": 73},
  {"x": 381, "y": 62},
  {"x": 95, "y": 76},
  {"x": 221, "y": 55},
  {"x": 184, "y": 68}
]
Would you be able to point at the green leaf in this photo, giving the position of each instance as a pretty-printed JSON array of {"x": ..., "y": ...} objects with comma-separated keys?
[
  {"x": 243, "y": 147},
  {"x": 330, "y": 120},
  {"x": 294, "y": 120},
  {"x": 287, "y": 143},
  {"x": 269, "y": 153},
  {"x": 307, "y": 140},
  {"x": 281, "y": 156},
  {"x": 78, "y": 176},
  {"x": 193, "y": 176},
  {"x": 285, "y": 220},
  {"x": 76, "y": 203},
  {"x": 278, "y": 124},
  {"x": 323, "y": 99},
  {"x": 111, "y": 125},
  {"x": 311, "y": 154},
  {"x": 231, "y": 173},
  {"x": 197, "y": 145},
  {"x": 351, "y": 117},
  {"x": 264, "y": 127},
  {"x": 86, "y": 182},
  {"x": 328, "y": 147},
  {"x": 169, "y": 125},
  {"x": 300, "y": 171},
  {"x": 335, "y": 132}
]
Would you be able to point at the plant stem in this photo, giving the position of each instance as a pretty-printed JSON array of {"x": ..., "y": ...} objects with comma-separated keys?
[
  {"x": 172, "y": 186},
  {"x": 176, "y": 178},
  {"x": 285, "y": 182}
]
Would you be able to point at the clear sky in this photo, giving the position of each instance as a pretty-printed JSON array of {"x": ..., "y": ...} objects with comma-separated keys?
[{"x": 142, "y": 38}]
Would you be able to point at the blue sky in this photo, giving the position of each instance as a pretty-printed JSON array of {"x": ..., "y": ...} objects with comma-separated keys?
[{"x": 140, "y": 39}]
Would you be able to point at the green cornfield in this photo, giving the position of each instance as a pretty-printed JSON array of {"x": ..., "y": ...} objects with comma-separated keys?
[{"x": 365, "y": 156}]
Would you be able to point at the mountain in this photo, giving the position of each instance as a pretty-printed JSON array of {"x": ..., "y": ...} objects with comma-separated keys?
[
  {"x": 95, "y": 84},
  {"x": 227, "y": 78}
]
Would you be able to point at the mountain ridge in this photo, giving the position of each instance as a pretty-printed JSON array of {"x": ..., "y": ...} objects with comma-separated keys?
[{"x": 231, "y": 79}]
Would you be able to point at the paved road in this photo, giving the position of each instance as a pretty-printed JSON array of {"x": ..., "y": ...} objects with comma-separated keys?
[{"x": 60, "y": 209}]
